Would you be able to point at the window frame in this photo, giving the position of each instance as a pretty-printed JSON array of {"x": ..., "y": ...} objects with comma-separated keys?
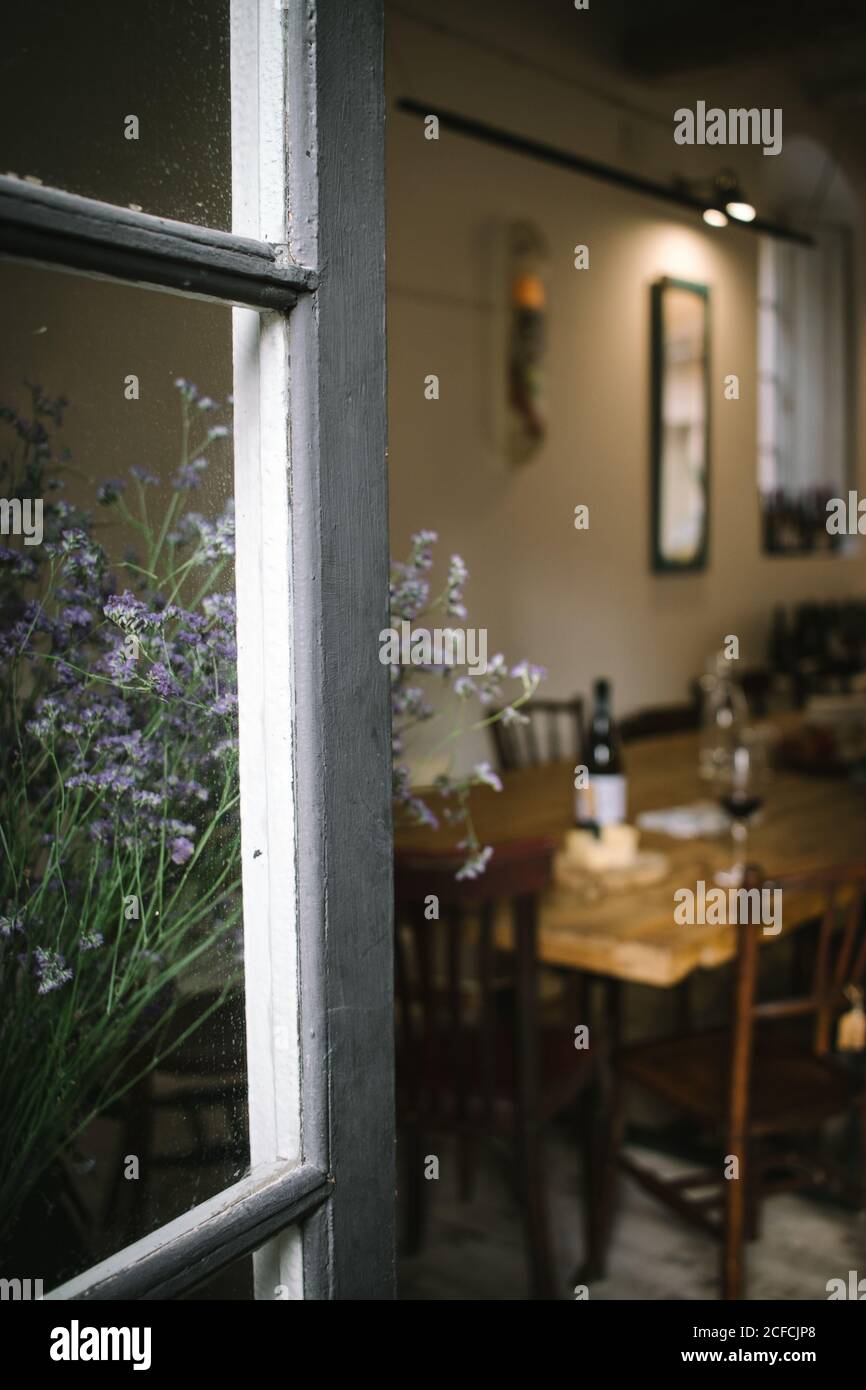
[
  {"x": 312, "y": 578},
  {"x": 794, "y": 398}
]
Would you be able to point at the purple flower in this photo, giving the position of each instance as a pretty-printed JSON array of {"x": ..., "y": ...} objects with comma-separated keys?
[
  {"x": 152, "y": 800},
  {"x": 112, "y": 779},
  {"x": 109, "y": 491},
  {"x": 160, "y": 679},
  {"x": 476, "y": 863},
  {"x": 510, "y": 715},
  {"x": 224, "y": 704},
  {"x": 215, "y": 539},
  {"x": 143, "y": 476},
  {"x": 457, "y": 577},
  {"x": 409, "y": 597},
  {"x": 188, "y": 790},
  {"x": 181, "y": 849},
  {"x": 90, "y": 940},
  {"x": 22, "y": 565},
  {"x": 14, "y": 922},
  {"x": 220, "y": 607},
  {"x": 484, "y": 775},
  {"x": 188, "y": 475},
  {"x": 52, "y": 971},
  {"x": 127, "y": 611},
  {"x": 421, "y": 555},
  {"x": 120, "y": 665},
  {"x": 528, "y": 674},
  {"x": 76, "y": 616}
]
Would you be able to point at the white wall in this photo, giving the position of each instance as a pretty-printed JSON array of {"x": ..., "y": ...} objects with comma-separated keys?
[{"x": 581, "y": 603}]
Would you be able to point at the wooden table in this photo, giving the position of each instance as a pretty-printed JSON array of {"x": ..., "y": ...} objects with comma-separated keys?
[{"x": 631, "y": 935}]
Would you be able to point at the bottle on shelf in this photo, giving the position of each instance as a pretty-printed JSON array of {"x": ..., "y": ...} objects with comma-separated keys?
[{"x": 603, "y": 800}]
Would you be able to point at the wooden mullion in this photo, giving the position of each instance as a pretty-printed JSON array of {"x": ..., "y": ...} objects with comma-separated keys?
[{"x": 50, "y": 227}]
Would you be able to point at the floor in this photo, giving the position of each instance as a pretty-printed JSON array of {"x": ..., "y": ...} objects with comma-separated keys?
[{"x": 476, "y": 1252}]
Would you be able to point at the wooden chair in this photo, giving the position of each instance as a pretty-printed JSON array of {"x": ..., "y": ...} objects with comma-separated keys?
[
  {"x": 554, "y": 731},
  {"x": 212, "y": 1085},
  {"x": 474, "y": 1060},
  {"x": 772, "y": 1074},
  {"x": 661, "y": 719}
]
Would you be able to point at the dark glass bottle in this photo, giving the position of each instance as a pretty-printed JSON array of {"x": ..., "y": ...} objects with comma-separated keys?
[{"x": 603, "y": 800}]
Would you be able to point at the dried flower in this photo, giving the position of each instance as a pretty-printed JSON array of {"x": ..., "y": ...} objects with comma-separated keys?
[
  {"x": 109, "y": 491},
  {"x": 52, "y": 971}
]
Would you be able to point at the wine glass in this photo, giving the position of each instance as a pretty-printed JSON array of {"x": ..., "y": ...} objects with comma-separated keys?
[{"x": 740, "y": 776}]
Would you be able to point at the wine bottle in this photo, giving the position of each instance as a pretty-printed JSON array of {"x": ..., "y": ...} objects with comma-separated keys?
[{"x": 603, "y": 800}]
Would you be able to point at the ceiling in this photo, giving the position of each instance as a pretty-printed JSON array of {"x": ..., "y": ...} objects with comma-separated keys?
[{"x": 822, "y": 46}]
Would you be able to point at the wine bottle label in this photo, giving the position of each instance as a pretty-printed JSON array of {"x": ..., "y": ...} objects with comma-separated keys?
[{"x": 603, "y": 801}]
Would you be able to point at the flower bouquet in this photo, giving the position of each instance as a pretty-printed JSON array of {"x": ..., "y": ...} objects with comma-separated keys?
[{"x": 119, "y": 828}]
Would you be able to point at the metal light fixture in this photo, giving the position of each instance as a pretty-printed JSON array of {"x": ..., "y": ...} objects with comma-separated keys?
[
  {"x": 679, "y": 191},
  {"x": 735, "y": 203}
]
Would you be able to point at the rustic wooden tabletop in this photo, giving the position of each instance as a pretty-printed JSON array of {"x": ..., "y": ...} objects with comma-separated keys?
[{"x": 631, "y": 934}]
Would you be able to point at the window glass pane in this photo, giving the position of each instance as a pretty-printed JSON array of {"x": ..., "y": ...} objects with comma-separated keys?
[
  {"x": 234, "y": 1284},
  {"x": 270, "y": 1275},
  {"x": 122, "y": 1038},
  {"x": 126, "y": 103}
]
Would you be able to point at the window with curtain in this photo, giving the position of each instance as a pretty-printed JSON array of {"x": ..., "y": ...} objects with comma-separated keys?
[{"x": 805, "y": 365}]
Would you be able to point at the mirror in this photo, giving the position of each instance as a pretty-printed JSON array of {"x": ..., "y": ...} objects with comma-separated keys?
[{"x": 680, "y": 408}]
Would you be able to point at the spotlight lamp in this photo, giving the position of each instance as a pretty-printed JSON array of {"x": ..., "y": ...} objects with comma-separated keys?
[
  {"x": 732, "y": 198},
  {"x": 742, "y": 211},
  {"x": 715, "y": 216}
]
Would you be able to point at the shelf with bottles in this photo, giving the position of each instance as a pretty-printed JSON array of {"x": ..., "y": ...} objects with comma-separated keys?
[
  {"x": 819, "y": 647},
  {"x": 794, "y": 521}
]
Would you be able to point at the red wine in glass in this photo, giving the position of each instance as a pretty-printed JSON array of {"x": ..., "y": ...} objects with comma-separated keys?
[{"x": 741, "y": 806}]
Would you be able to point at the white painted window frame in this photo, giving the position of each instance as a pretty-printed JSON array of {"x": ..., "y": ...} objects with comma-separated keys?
[{"x": 311, "y": 578}]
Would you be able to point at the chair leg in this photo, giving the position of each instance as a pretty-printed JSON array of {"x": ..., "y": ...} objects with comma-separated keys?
[
  {"x": 752, "y": 1225},
  {"x": 535, "y": 1214},
  {"x": 590, "y": 1117},
  {"x": 737, "y": 1201},
  {"x": 415, "y": 1203},
  {"x": 610, "y": 1143},
  {"x": 125, "y": 1202}
]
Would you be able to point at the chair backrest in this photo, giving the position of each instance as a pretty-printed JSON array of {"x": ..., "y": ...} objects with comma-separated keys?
[
  {"x": 660, "y": 719},
  {"x": 836, "y": 897},
  {"x": 553, "y": 731},
  {"x": 449, "y": 979}
]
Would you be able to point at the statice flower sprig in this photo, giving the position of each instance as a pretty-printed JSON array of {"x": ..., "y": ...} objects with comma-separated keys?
[
  {"x": 119, "y": 839},
  {"x": 410, "y": 600}
]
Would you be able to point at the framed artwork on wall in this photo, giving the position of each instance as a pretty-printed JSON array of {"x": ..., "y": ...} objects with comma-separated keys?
[{"x": 680, "y": 426}]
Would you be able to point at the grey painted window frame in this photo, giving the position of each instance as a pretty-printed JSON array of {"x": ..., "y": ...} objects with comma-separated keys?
[{"x": 325, "y": 280}]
